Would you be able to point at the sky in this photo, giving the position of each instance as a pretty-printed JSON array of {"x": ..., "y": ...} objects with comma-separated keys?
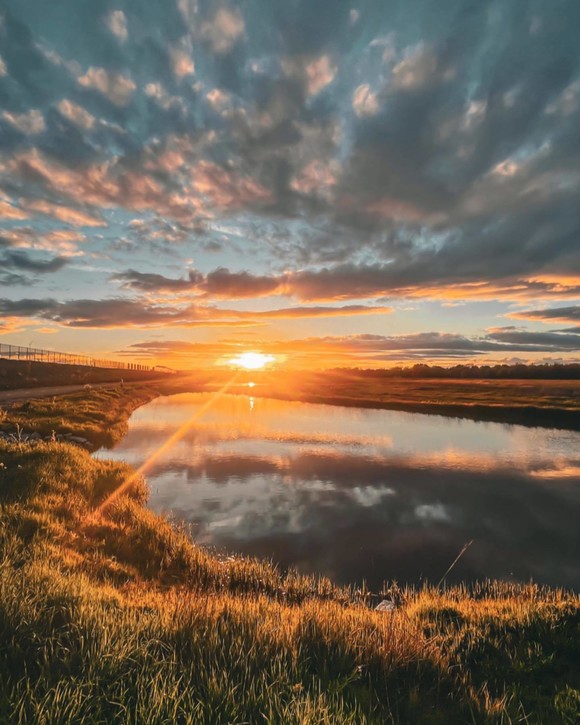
[{"x": 365, "y": 183}]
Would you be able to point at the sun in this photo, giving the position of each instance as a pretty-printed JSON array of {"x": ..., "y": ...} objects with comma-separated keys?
[{"x": 251, "y": 360}]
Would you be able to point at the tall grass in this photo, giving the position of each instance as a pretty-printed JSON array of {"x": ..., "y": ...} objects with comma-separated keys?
[{"x": 121, "y": 618}]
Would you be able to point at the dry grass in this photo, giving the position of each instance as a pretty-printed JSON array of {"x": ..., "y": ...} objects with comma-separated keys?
[
  {"x": 122, "y": 618},
  {"x": 555, "y": 403},
  {"x": 99, "y": 415}
]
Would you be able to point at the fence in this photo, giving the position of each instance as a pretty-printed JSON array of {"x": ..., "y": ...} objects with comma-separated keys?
[{"x": 17, "y": 352}]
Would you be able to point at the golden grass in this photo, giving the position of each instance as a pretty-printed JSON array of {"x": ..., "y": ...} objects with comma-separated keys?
[
  {"x": 100, "y": 414},
  {"x": 120, "y": 617}
]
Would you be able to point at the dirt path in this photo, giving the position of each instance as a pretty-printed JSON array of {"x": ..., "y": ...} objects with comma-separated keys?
[{"x": 14, "y": 396}]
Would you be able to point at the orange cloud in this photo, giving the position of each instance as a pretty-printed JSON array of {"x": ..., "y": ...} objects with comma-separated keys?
[
  {"x": 364, "y": 101},
  {"x": 66, "y": 214},
  {"x": 223, "y": 31},
  {"x": 224, "y": 189},
  {"x": 61, "y": 241},
  {"x": 76, "y": 114},
  {"x": 31, "y": 122},
  {"x": 115, "y": 86},
  {"x": 122, "y": 312},
  {"x": 319, "y": 74},
  {"x": 9, "y": 211}
]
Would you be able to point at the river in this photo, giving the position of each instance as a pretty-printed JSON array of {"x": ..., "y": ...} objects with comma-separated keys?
[{"x": 359, "y": 494}]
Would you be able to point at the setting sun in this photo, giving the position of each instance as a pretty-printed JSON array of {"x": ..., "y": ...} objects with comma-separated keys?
[{"x": 252, "y": 360}]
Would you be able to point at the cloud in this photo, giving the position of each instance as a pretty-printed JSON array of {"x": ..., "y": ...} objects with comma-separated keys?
[
  {"x": 30, "y": 122},
  {"x": 429, "y": 277},
  {"x": 318, "y": 151},
  {"x": 368, "y": 348},
  {"x": 116, "y": 22},
  {"x": 555, "y": 314},
  {"x": 181, "y": 62},
  {"x": 151, "y": 282},
  {"x": 429, "y": 343},
  {"x": 418, "y": 68},
  {"x": 320, "y": 72},
  {"x": 19, "y": 260},
  {"x": 556, "y": 340},
  {"x": 220, "y": 283},
  {"x": 108, "y": 314},
  {"x": 119, "y": 312},
  {"x": 343, "y": 282},
  {"x": 75, "y": 217},
  {"x": 9, "y": 211},
  {"x": 218, "y": 100},
  {"x": 224, "y": 30},
  {"x": 237, "y": 285},
  {"x": 309, "y": 312},
  {"x": 76, "y": 114},
  {"x": 306, "y": 76},
  {"x": 364, "y": 101},
  {"x": 225, "y": 189},
  {"x": 118, "y": 88},
  {"x": 9, "y": 279}
]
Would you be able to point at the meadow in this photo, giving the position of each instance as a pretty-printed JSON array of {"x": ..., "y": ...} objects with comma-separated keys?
[
  {"x": 116, "y": 615},
  {"x": 552, "y": 403}
]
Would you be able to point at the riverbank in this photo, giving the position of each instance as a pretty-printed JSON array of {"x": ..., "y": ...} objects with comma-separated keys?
[
  {"x": 116, "y": 615},
  {"x": 121, "y": 613},
  {"x": 98, "y": 415},
  {"x": 531, "y": 403},
  {"x": 547, "y": 403}
]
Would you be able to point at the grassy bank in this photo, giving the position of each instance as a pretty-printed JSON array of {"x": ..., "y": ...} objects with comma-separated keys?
[
  {"x": 121, "y": 617},
  {"x": 99, "y": 415},
  {"x": 551, "y": 403},
  {"x": 118, "y": 616}
]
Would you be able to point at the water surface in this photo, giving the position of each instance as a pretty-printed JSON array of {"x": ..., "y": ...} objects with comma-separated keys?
[{"x": 365, "y": 494}]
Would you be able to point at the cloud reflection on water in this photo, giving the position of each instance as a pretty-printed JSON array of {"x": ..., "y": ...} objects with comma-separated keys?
[{"x": 367, "y": 493}]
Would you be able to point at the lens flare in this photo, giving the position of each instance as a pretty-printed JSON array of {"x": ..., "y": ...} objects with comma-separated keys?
[{"x": 171, "y": 441}]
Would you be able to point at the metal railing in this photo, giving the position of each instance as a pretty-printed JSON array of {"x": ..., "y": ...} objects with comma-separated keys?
[{"x": 17, "y": 352}]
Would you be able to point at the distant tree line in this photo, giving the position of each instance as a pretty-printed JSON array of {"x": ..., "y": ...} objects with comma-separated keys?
[{"x": 519, "y": 371}]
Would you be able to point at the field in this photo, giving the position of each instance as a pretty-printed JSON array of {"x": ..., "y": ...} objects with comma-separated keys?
[
  {"x": 115, "y": 615},
  {"x": 554, "y": 403}
]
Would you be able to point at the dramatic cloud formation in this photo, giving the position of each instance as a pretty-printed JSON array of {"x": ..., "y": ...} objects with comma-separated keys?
[
  {"x": 118, "y": 313},
  {"x": 375, "y": 349},
  {"x": 314, "y": 165}
]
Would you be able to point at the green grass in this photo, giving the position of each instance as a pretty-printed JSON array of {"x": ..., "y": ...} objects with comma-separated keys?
[{"x": 122, "y": 618}]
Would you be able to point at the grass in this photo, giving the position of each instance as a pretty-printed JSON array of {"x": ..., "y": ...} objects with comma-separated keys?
[
  {"x": 554, "y": 403},
  {"x": 123, "y": 618},
  {"x": 119, "y": 617},
  {"x": 100, "y": 415}
]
